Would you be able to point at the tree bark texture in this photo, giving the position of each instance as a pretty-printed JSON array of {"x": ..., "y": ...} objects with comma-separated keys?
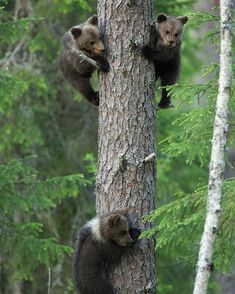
[
  {"x": 127, "y": 135},
  {"x": 217, "y": 164}
]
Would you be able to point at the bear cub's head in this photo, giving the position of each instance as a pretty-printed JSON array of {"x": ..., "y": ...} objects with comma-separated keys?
[
  {"x": 169, "y": 29},
  {"x": 115, "y": 227},
  {"x": 87, "y": 36}
]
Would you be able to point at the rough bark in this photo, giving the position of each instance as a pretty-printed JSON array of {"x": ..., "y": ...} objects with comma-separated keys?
[
  {"x": 217, "y": 164},
  {"x": 127, "y": 134}
]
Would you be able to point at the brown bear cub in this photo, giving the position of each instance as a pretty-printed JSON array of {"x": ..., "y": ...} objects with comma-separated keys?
[
  {"x": 164, "y": 50},
  {"x": 101, "y": 242},
  {"x": 86, "y": 38}
]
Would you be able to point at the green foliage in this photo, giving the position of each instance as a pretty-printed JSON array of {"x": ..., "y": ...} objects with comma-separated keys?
[
  {"x": 192, "y": 131},
  {"x": 9, "y": 87},
  {"x": 199, "y": 18},
  {"x": 69, "y": 5},
  {"x": 33, "y": 193},
  {"x": 16, "y": 127},
  {"x": 180, "y": 223},
  {"x": 13, "y": 30},
  {"x": 184, "y": 154},
  {"x": 91, "y": 165},
  {"x": 24, "y": 196},
  {"x": 174, "y": 7},
  {"x": 36, "y": 212}
]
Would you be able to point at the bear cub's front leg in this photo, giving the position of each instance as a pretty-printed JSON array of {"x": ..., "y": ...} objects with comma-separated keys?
[{"x": 86, "y": 39}]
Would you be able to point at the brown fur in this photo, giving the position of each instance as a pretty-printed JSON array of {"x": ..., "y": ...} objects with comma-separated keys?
[
  {"x": 101, "y": 242},
  {"x": 164, "y": 50},
  {"x": 85, "y": 37}
]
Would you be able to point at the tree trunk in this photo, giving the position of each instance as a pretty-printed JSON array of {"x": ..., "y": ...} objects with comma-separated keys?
[
  {"x": 217, "y": 164},
  {"x": 227, "y": 281},
  {"x": 127, "y": 134}
]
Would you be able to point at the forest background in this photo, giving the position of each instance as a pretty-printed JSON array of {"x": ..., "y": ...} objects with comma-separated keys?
[{"x": 48, "y": 152}]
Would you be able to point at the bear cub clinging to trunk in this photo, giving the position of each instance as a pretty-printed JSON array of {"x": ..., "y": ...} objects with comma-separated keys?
[
  {"x": 86, "y": 38},
  {"x": 101, "y": 242},
  {"x": 164, "y": 50}
]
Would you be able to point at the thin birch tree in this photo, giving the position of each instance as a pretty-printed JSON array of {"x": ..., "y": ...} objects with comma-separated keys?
[
  {"x": 217, "y": 163},
  {"x": 126, "y": 144}
]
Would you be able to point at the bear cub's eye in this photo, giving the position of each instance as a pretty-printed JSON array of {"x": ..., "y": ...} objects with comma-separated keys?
[
  {"x": 92, "y": 43},
  {"x": 167, "y": 32},
  {"x": 176, "y": 35}
]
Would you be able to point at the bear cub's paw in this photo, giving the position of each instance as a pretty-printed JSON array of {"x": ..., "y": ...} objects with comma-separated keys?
[
  {"x": 134, "y": 233},
  {"x": 104, "y": 66}
]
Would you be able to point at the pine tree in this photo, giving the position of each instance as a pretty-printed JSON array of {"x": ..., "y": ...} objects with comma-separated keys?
[{"x": 127, "y": 134}]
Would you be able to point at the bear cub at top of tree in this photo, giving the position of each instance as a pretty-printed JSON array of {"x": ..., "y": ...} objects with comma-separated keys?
[
  {"x": 101, "y": 242},
  {"x": 164, "y": 50},
  {"x": 87, "y": 39}
]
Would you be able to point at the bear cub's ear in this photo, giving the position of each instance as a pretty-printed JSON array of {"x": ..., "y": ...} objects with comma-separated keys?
[
  {"x": 161, "y": 17},
  {"x": 183, "y": 19},
  {"x": 93, "y": 20},
  {"x": 134, "y": 233},
  {"x": 114, "y": 220},
  {"x": 76, "y": 32}
]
